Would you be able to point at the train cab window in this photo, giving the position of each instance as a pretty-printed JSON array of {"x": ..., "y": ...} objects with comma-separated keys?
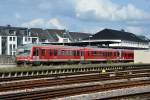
[
  {"x": 35, "y": 52},
  {"x": 55, "y": 52},
  {"x": 43, "y": 52},
  {"x": 50, "y": 52}
]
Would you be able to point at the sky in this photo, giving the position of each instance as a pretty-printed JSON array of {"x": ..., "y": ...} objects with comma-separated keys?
[{"x": 88, "y": 16}]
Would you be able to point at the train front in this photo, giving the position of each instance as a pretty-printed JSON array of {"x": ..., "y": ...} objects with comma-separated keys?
[{"x": 23, "y": 54}]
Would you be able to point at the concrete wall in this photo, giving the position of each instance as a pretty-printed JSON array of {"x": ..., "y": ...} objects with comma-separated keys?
[
  {"x": 7, "y": 59},
  {"x": 141, "y": 56}
]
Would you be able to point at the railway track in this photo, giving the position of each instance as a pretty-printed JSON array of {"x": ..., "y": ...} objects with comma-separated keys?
[
  {"x": 16, "y": 85},
  {"x": 56, "y": 85},
  {"x": 55, "y": 93},
  {"x": 40, "y": 72},
  {"x": 67, "y": 80}
]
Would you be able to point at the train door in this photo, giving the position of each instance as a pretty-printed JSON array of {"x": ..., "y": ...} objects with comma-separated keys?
[
  {"x": 42, "y": 53},
  {"x": 116, "y": 55},
  {"x": 35, "y": 54},
  {"x": 82, "y": 56},
  {"x": 122, "y": 55}
]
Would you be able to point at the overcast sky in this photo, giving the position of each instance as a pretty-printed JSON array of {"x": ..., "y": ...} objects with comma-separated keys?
[{"x": 78, "y": 15}]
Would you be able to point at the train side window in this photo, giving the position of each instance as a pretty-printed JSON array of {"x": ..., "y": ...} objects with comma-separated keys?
[
  {"x": 82, "y": 53},
  {"x": 123, "y": 54},
  {"x": 110, "y": 53},
  {"x": 35, "y": 52},
  {"x": 59, "y": 52},
  {"x": 50, "y": 52},
  {"x": 88, "y": 53},
  {"x": 63, "y": 52},
  {"x": 43, "y": 52},
  {"x": 78, "y": 53},
  {"x": 55, "y": 52},
  {"x": 100, "y": 53},
  {"x": 93, "y": 52},
  {"x": 70, "y": 53},
  {"x": 118, "y": 54},
  {"x": 74, "y": 53},
  {"x": 107, "y": 54},
  {"x": 104, "y": 54},
  {"x": 115, "y": 54}
]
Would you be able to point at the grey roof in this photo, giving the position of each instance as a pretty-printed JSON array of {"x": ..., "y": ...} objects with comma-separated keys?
[
  {"x": 54, "y": 32},
  {"x": 78, "y": 36},
  {"x": 73, "y": 36},
  {"x": 115, "y": 34},
  {"x": 4, "y": 30}
]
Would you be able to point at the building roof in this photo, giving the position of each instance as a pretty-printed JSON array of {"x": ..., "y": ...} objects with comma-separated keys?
[
  {"x": 54, "y": 32},
  {"x": 115, "y": 34},
  {"x": 78, "y": 36},
  {"x": 4, "y": 30}
]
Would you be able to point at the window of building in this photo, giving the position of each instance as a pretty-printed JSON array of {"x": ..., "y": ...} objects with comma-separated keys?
[
  {"x": 14, "y": 53},
  {"x": 12, "y": 32},
  {"x": 10, "y": 38},
  {"x": 10, "y": 52},
  {"x": 29, "y": 39},
  {"x": 25, "y": 38},
  {"x": 10, "y": 47},
  {"x": 14, "y": 38},
  {"x": 14, "y": 46}
]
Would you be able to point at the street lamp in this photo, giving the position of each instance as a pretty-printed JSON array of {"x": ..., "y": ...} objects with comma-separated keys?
[{"x": 89, "y": 39}]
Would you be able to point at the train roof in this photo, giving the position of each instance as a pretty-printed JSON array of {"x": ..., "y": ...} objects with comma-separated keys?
[{"x": 66, "y": 47}]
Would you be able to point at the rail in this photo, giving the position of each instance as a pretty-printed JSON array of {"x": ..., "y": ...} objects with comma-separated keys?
[{"x": 28, "y": 72}]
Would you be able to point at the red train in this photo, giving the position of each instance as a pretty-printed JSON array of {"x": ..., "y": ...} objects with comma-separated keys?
[{"x": 45, "y": 54}]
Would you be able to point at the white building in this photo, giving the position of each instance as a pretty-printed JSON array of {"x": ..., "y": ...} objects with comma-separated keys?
[{"x": 12, "y": 37}]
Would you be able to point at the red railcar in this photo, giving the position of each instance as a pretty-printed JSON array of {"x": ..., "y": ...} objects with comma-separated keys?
[{"x": 69, "y": 54}]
